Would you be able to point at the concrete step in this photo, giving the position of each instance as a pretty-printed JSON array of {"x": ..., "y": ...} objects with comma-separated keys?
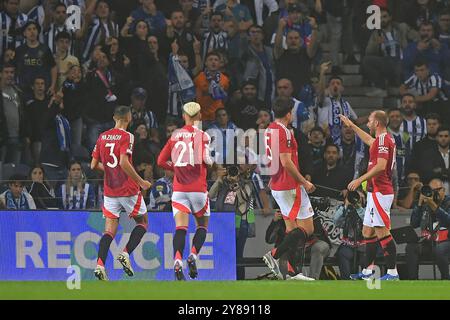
[
  {"x": 349, "y": 69},
  {"x": 352, "y": 80},
  {"x": 327, "y": 57},
  {"x": 371, "y": 103},
  {"x": 361, "y": 91}
]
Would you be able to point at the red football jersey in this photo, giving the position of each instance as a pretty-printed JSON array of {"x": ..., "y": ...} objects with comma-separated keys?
[
  {"x": 281, "y": 180},
  {"x": 110, "y": 146},
  {"x": 383, "y": 147},
  {"x": 187, "y": 154}
]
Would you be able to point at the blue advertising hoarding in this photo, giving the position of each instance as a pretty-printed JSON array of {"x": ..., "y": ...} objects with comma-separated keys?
[{"x": 41, "y": 245}]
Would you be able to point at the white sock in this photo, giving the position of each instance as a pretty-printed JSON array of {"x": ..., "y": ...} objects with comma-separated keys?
[
  {"x": 194, "y": 256},
  {"x": 367, "y": 272},
  {"x": 179, "y": 262},
  {"x": 392, "y": 272}
]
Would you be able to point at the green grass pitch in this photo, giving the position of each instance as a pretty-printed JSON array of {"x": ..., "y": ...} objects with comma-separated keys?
[{"x": 231, "y": 290}]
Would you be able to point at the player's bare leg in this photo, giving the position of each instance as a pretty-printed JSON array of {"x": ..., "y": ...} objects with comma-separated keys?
[
  {"x": 370, "y": 253},
  {"x": 111, "y": 226},
  {"x": 197, "y": 244},
  {"x": 135, "y": 238},
  {"x": 390, "y": 252},
  {"x": 179, "y": 241}
]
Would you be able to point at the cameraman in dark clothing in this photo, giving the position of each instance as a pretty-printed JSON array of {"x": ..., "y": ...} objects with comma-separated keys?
[
  {"x": 234, "y": 191},
  {"x": 432, "y": 215},
  {"x": 350, "y": 217}
]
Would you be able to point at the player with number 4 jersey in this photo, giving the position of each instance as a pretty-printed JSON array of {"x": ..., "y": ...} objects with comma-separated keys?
[
  {"x": 380, "y": 194},
  {"x": 113, "y": 155},
  {"x": 187, "y": 154}
]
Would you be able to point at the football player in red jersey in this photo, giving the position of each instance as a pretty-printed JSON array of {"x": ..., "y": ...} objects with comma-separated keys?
[
  {"x": 380, "y": 194},
  {"x": 113, "y": 155},
  {"x": 187, "y": 154},
  {"x": 289, "y": 189}
]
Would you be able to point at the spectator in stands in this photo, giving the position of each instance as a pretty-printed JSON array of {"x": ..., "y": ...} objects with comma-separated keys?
[
  {"x": 428, "y": 48},
  {"x": 140, "y": 112},
  {"x": 409, "y": 193},
  {"x": 422, "y": 148},
  {"x": 444, "y": 28},
  {"x": 419, "y": 12},
  {"x": 177, "y": 31},
  {"x": 74, "y": 100},
  {"x": 12, "y": 116},
  {"x": 36, "y": 113},
  {"x": 76, "y": 193},
  {"x": 264, "y": 119},
  {"x": 154, "y": 18},
  {"x": 34, "y": 58},
  {"x": 161, "y": 193},
  {"x": 211, "y": 87},
  {"x": 101, "y": 88},
  {"x": 402, "y": 143},
  {"x": 222, "y": 133},
  {"x": 17, "y": 196},
  {"x": 192, "y": 14},
  {"x": 428, "y": 90},
  {"x": 181, "y": 75},
  {"x": 146, "y": 146},
  {"x": 340, "y": 28},
  {"x": 412, "y": 124},
  {"x": 153, "y": 43},
  {"x": 331, "y": 105},
  {"x": 330, "y": 174},
  {"x": 64, "y": 60},
  {"x": 426, "y": 213},
  {"x": 100, "y": 29},
  {"x": 260, "y": 64},
  {"x": 9, "y": 56},
  {"x": 317, "y": 143},
  {"x": 55, "y": 141},
  {"x": 234, "y": 193},
  {"x": 232, "y": 9},
  {"x": 303, "y": 119},
  {"x": 144, "y": 166},
  {"x": 293, "y": 63},
  {"x": 120, "y": 66},
  {"x": 58, "y": 24},
  {"x": 244, "y": 106},
  {"x": 349, "y": 217},
  {"x": 352, "y": 151},
  {"x": 436, "y": 163},
  {"x": 384, "y": 53},
  {"x": 12, "y": 21},
  {"x": 307, "y": 30},
  {"x": 217, "y": 38},
  {"x": 41, "y": 191}
]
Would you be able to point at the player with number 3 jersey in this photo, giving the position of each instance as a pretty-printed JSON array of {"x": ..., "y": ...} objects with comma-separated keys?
[
  {"x": 113, "y": 155},
  {"x": 187, "y": 154}
]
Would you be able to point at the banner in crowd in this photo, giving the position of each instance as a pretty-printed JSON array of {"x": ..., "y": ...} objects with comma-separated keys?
[
  {"x": 335, "y": 233},
  {"x": 42, "y": 245}
]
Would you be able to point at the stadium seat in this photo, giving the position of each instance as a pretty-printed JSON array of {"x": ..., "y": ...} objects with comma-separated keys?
[{"x": 80, "y": 153}]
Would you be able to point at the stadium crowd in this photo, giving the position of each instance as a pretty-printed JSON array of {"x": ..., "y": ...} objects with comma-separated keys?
[{"x": 60, "y": 86}]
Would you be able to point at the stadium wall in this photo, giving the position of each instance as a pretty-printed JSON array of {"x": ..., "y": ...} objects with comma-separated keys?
[{"x": 41, "y": 245}]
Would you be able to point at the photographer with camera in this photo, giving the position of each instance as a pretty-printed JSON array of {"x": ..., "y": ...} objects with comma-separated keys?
[
  {"x": 234, "y": 192},
  {"x": 349, "y": 217},
  {"x": 432, "y": 215}
]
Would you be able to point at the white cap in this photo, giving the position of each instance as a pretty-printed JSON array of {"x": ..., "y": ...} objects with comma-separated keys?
[{"x": 191, "y": 108}]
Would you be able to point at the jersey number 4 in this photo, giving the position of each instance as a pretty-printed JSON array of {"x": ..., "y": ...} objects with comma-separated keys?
[{"x": 112, "y": 155}]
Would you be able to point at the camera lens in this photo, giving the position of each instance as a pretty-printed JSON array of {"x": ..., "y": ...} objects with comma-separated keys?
[
  {"x": 353, "y": 197},
  {"x": 426, "y": 191}
]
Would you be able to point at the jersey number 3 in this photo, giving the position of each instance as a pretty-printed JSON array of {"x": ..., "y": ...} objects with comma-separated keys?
[{"x": 111, "y": 153}]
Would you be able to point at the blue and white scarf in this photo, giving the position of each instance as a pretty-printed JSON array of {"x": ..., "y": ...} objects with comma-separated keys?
[
  {"x": 63, "y": 132},
  {"x": 336, "y": 124},
  {"x": 180, "y": 80},
  {"x": 16, "y": 204},
  {"x": 75, "y": 199},
  {"x": 215, "y": 89}
]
